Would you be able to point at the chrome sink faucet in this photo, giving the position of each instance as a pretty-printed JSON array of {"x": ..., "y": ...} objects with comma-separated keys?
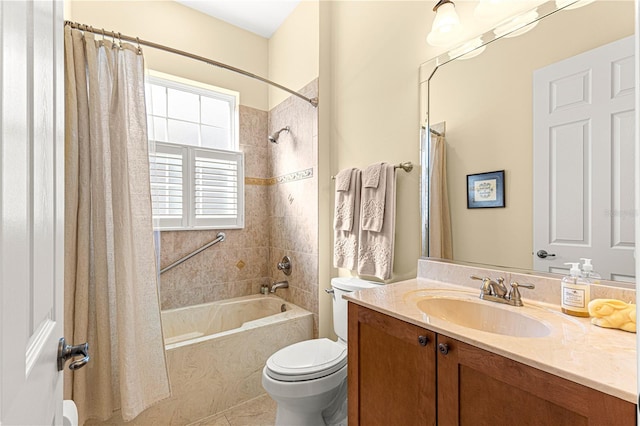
[
  {"x": 279, "y": 284},
  {"x": 496, "y": 291}
]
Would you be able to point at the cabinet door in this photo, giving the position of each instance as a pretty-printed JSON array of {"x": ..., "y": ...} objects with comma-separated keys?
[
  {"x": 476, "y": 387},
  {"x": 391, "y": 371}
]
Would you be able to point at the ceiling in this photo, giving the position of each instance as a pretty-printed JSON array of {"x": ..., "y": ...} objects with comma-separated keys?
[{"x": 262, "y": 17}]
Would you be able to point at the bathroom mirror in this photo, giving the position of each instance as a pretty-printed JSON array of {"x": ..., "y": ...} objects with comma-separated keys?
[{"x": 484, "y": 105}]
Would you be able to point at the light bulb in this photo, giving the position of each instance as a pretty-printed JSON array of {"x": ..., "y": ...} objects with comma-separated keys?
[{"x": 446, "y": 25}]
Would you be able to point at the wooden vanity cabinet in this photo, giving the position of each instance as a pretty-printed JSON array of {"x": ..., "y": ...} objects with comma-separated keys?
[
  {"x": 477, "y": 387},
  {"x": 394, "y": 380},
  {"x": 391, "y": 371}
]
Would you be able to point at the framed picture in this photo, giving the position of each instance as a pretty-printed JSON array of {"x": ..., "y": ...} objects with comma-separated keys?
[{"x": 485, "y": 190}]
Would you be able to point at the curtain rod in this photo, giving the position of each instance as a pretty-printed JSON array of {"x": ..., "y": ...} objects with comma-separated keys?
[{"x": 119, "y": 36}]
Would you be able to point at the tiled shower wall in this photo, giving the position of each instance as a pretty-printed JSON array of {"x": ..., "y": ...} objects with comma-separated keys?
[
  {"x": 294, "y": 199},
  {"x": 238, "y": 265},
  {"x": 281, "y": 205}
]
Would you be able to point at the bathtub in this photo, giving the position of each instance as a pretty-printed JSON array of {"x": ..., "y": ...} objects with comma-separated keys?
[{"x": 216, "y": 351}]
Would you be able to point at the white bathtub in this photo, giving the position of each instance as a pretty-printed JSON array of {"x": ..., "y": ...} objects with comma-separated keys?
[{"x": 216, "y": 352}]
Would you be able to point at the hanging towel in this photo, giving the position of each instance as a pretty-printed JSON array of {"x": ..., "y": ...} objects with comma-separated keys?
[
  {"x": 373, "y": 196},
  {"x": 371, "y": 176},
  {"x": 345, "y": 246},
  {"x": 345, "y": 201},
  {"x": 343, "y": 179},
  {"x": 375, "y": 254}
]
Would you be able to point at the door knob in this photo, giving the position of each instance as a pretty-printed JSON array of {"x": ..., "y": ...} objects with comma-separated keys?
[
  {"x": 423, "y": 340},
  {"x": 542, "y": 254},
  {"x": 67, "y": 351}
]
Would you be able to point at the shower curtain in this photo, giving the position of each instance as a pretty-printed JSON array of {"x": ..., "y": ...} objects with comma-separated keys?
[
  {"x": 111, "y": 293},
  {"x": 440, "y": 240}
]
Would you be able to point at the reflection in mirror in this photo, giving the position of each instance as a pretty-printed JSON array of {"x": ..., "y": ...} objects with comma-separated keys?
[{"x": 487, "y": 103}]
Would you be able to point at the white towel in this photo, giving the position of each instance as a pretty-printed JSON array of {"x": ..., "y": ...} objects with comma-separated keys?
[
  {"x": 375, "y": 253},
  {"x": 373, "y": 196},
  {"x": 343, "y": 179},
  {"x": 345, "y": 246},
  {"x": 371, "y": 176},
  {"x": 345, "y": 200}
]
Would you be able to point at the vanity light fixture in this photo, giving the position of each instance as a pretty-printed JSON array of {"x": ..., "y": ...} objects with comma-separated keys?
[
  {"x": 517, "y": 26},
  {"x": 446, "y": 25}
]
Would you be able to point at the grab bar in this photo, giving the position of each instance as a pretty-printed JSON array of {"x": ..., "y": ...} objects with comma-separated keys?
[{"x": 219, "y": 238}]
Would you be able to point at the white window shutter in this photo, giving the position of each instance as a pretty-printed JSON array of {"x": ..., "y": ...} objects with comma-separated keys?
[
  {"x": 218, "y": 188},
  {"x": 197, "y": 187},
  {"x": 168, "y": 176}
]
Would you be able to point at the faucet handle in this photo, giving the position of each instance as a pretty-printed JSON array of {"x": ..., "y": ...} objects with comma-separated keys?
[
  {"x": 516, "y": 285},
  {"x": 515, "y": 296},
  {"x": 485, "y": 283}
]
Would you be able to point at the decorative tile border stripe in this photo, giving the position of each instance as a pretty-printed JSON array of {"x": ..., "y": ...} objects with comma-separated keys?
[
  {"x": 302, "y": 174},
  {"x": 291, "y": 177},
  {"x": 258, "y": 181}
]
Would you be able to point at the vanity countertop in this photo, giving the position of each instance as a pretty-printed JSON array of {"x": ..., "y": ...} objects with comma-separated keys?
[{"x": 600, "y": 358}]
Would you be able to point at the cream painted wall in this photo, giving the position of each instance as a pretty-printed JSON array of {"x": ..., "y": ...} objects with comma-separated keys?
[
  {"x": 179, "y": 27},
  {"x": 294, "y": 51},
  {"x": 374, "y": 53},
  {"x": 487, "y": 105}
]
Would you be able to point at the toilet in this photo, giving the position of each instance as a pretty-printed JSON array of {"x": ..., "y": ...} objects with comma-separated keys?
[{"x": 308, "y": 379}]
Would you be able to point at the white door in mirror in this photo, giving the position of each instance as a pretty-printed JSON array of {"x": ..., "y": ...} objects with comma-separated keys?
[{"x": 583, "y": 161}]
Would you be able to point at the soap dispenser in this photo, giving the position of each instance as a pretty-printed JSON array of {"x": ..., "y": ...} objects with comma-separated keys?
[
  {"x": 576, "y": 293},
  {"x": 588, "y": 273}
]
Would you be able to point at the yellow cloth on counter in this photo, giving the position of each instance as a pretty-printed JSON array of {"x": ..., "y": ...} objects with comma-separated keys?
[{"x": 612, "y": 313}]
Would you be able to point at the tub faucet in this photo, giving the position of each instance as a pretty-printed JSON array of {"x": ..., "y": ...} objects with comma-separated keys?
[{"x": 279, "y": 284}]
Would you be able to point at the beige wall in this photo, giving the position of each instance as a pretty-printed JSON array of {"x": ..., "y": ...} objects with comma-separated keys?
[
  {"x": 374, "y": 52},
  {"x": 293, "y": 51},
  {"x": 487, "y": 105},
  {"x": 174, "y": 25}
]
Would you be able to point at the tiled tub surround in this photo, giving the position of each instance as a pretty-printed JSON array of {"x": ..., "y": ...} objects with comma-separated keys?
[
  {"x": 602, "y": 359},
  {"x": 211, "y": 373},
  {"x": 293, "y": 199}
]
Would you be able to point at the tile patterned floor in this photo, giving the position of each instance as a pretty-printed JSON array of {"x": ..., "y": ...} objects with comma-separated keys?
[{"x": 260, "y": 411}]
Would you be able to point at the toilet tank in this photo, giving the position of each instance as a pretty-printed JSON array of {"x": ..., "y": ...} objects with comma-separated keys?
[{"x": 341, "y": 286}]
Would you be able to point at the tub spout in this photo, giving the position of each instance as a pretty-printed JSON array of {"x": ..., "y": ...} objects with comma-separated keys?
[{"x": 279, "y": 284}]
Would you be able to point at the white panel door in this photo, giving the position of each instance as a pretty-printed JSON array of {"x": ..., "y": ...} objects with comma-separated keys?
[
  {"x": 31, "y": 211},
  {"x": 583, "y": 153}
]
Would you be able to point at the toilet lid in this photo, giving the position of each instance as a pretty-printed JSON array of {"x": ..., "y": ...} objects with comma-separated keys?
[{"x": 307, "y": 360}]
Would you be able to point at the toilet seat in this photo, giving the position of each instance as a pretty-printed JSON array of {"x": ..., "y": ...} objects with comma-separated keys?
[{"x": 307, "y": 360}]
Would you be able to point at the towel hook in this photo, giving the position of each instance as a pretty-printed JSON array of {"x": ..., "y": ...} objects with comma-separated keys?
[{"x": 139, "y": 49}]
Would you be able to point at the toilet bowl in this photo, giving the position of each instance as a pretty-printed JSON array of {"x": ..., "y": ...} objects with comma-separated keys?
[
  {"x": 308, "y": 379},
  {"x": 69, "y": 413}
]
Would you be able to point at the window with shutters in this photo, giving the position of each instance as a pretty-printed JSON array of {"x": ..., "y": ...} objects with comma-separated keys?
[{"x": 197, "y": 172}]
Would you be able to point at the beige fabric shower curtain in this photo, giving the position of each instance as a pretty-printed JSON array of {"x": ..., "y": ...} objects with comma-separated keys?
[
  {"x": 440, "y": 239},
  {"x": 111, "y": 292}
]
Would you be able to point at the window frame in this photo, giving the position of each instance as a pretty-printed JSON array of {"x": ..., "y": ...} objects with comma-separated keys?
[{"x": 188, "y": 153}]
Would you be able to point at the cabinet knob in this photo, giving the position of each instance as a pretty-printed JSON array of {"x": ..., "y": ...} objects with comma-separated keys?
[
  {"x": 423, "y": 340},
  {"x": 443, "y": 348}
]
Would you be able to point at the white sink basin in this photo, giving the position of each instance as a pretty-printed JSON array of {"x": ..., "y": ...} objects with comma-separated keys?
[{"x": 482, "y": 315}]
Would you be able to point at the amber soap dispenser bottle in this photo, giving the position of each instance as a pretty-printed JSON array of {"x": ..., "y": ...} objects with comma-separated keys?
[{"x": 576, "y": 293}]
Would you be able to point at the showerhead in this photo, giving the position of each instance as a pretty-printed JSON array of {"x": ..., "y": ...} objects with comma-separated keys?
[{"x": 274, "y": 137}]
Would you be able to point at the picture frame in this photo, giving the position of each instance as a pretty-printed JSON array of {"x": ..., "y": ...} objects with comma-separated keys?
[{"x": 485, "y": 190}]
